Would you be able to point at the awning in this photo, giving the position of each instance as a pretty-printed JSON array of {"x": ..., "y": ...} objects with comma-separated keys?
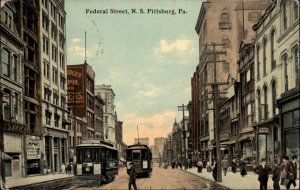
[
  {"x": 6, "y": 156},
  {"x": 65, "y": 122}
]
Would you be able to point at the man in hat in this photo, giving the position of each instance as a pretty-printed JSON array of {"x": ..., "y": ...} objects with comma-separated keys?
[
  {"x": 132, "y": 177},
  {"x": 263, "y": 174}
]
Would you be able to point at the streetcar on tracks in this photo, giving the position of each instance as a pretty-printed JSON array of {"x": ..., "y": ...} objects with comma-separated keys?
[
  {"x": 141, "y": 157},
  {"x": 96, "y": 162}
]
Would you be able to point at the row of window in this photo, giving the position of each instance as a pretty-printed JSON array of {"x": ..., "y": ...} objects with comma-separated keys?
[
  {"x": 47, "y": 97},
  {"x": 54, "y": 52},
  {"x": 54, "y": 12},
  {"x": 10, "y": 64},
  {"x": 54, "y": 32},
  {"x": 11, "y": 102},
  {"x": 54, "y": 75}
]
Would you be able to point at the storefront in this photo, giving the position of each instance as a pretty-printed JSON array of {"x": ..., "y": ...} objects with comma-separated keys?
[
  {"x": 289, "y": 114},
  {"x": 33, "y": 154},
  {"x": 13, "y": 154}
]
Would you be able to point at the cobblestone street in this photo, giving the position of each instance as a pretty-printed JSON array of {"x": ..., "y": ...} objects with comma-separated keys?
[{"x": 161, "y": 179}]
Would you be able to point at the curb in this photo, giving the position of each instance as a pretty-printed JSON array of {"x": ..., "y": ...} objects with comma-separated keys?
[{"x": 227, "y": 188}]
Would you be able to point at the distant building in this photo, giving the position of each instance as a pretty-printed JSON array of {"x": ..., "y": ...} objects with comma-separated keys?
[
  {"x": 144, "y": 141},
  {"x": 81, "y": 103},
  {"x": 109, "y": 114},
  {"x": 159, "y": 145},
  {"x": 99, "y": 104}
]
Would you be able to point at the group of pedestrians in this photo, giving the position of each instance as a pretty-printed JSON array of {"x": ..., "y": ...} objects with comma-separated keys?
[{"x": 284, "y": 173}]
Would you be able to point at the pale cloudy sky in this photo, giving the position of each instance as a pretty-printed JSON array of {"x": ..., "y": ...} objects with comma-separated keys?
[{"x": 148, "y": 59}]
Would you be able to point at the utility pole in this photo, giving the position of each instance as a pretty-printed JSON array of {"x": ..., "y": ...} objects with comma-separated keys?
[
  {"x": 216, "y": 98},
  {"x": 2, "y": 170}
]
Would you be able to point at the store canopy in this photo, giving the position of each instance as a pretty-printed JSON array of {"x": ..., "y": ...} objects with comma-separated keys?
[{"x": 6, "y": 156}]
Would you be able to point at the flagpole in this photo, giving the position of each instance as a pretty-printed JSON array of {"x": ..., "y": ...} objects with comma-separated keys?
[{"x": 137, "y": 128}]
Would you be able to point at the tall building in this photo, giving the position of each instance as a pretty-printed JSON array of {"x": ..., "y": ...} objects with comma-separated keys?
[
  {"x": 221, "y": 25},
  {"x": 109, "y": 117},
  {"x": 277, "y": 81},
  {"x": 52, "y": 32},
  {"x": 144, "y": 141},
  {"x": 99, "y": 104},
  {"x": 160, "y": 143},
  {"x": 27, "y": 25},
  {"x": 81, "y": 100},
  {"x": 11, "y": 94},
  {"x": 119, "y": 137}
]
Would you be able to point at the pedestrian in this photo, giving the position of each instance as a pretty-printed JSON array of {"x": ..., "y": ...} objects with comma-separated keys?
[
  {"x": 243, "y": 170},
  {"x": 276, "y": 175},
  {"x": 285, "y": 161},
  {"x": 200, "y": 166},
  {"x": 233, "y": 165},
  {"x": 263, "y": 174},
  {"x": 215, "y": 171},
  {"x": 132, "y": 177},
  {"x": 208, "y": 167},
  {"x": 225, "y": 165},
  {"x": 63, "y": 168},
  {"x": 291, "y": 172}
]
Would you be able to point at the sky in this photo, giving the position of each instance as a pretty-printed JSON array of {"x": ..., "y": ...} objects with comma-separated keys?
[{"x": 148, "y": 58}]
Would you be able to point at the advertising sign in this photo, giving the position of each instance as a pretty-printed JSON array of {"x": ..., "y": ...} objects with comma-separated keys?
[
  {"x": 33, "y": 149},
  {"x": 76, "y": 90}
]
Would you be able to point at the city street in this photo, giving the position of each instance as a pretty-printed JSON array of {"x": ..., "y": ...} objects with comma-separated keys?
[{"x": 161, "y": 179}]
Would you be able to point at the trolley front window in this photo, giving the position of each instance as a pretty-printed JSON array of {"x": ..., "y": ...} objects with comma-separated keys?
[{"x": 136, "y": 154}]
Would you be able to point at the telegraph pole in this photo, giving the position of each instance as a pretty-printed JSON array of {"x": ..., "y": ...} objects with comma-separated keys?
[{"x": 216, "y": 98}]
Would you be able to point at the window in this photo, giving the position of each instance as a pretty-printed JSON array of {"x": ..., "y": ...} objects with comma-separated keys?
[
  {"x": 296, "y": 9},
  {"x": 264, "y": 56},
  {"x": 47, "y": 93},
  {"x": 55, "y": 98},
  {"x": 90, "y": 119},
  {"x": 284, "y": 63},
  {"x": 56, "y": 120},
  {"x": 272, "y": 40},
  {"x": 62, "y": 81},
  {"x": 285, "y": 15},
  {"x": 63, "y": 101},
  {"x": 225, "y": 67},
  {"x": 295, "y": 52},
  {"x": 265, "y": 109},
  {"x": 54, "y": 53},
  {"x": 62, "y": 61},
  {"x": 45, "y": 3},
  {"x": 274, "y": 96},
  {"x": 6, "y": 62},
  {"x": 53, "y": 31},
  {"x": 48, "y": 117},
  {"x": 54, "y": 75},
  {"x": 225, "y": 41},
  {"x": 259, "y": 105},
  {"x": 61, "y": 40},
  {"x": 254, "y": 16},
  {"x": 258, "y": 63},
  {"x": 7, "y": 105},
  {"x": 53, "y": 11},
  {"x": 46, "y": 70},
  {"x": 45, "y": 45},
  {"x": 224, "y": 21},
  {"x": 14, "y": 74},
  {"x": 45, "y": 21}
]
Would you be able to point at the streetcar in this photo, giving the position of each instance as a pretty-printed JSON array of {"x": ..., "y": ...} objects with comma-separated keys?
[
  {"x": 96, "y": 162},
  {"x": 141, "y": 157}
]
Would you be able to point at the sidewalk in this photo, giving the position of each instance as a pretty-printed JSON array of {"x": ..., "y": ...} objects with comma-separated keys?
[
  {"x": 236, "y": 181},
  {"x": 15, "y": 182}
]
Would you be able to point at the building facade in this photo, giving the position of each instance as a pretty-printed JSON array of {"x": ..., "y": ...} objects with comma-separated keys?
[
  {"x": 53, "y": 86},
  {"x": 81, "y": 101},
  {"x": 11, "y": 94},
  {"x": 99, "y": 104},
  {"x": 218, "y": 55},
  {"x": 277, "y": 80},
  {"x": 109, "y": 117}
]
